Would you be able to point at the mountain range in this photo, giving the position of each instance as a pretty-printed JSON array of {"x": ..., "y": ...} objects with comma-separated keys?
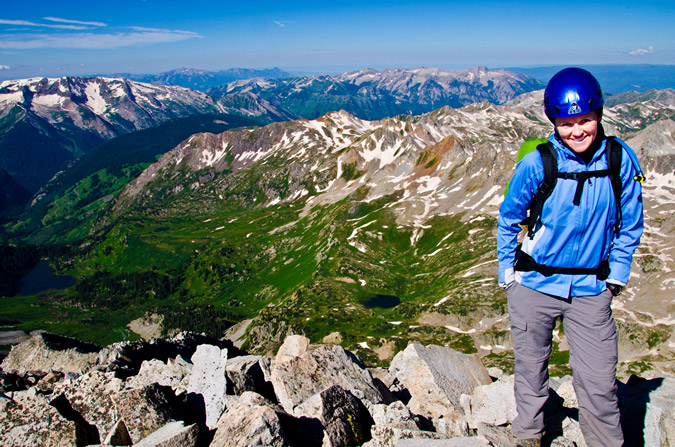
[
  {"x": 47, "y": 122},
  {"x": 366, "y": 232},
  {"x": 369, "y": 232},
  {"x": 203, "y": 79},
  {"x": 372, "y": 94}
]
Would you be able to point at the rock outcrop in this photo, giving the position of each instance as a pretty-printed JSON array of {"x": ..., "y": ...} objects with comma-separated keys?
[{"x": 147, "y": 394}]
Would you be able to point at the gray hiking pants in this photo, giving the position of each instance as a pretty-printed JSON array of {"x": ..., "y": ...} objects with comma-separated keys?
[{"x": 591, "y": 335}]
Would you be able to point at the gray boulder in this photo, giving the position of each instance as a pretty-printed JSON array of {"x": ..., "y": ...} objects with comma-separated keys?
[
  {"x": 344, "y": 418},
  {"x": 253, "y": 422},
  {"x": 436, "y": 377},
  {"x": 145, "y": 410},
  {"x": 492, "y": 404},
  {"x": 649, "y": 413},
  {"x": 208, "y": 383},
  {"x": 383, "y": 436},
  {"x": 29, "y": 420},
  {"x": 173, "y": 434},
  {"x": 89, "y": 397},
  {"x": 45, "y": 352},
  {"x": 249, "y": 373},
  {"x": 296, "y": 378},
  {"x": 174, "y": 373},
  {"x": 464, "y": 441}
]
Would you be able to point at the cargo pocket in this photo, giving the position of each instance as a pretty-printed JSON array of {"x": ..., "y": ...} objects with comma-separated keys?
[
  {"x": 605, "y": 360},
  {"x": 519, "y": 334}
]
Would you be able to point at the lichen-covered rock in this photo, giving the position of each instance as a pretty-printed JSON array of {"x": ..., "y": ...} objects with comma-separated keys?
[
  {"x": 248, "y": 373},
  {"x": 292, "y": 347},
  {"x": 344, "y": 418},
  {"x": 173, "y": 434},
  {"x": 89, "y": 396},
  {"x": 253, "y": 422},
  {"x": 464, "y": 441},
  {"x": 145, "y": 410},
  {"x": 320, "y": 367},
  {"x": 492, "y": 404},
  {"x": 208, "y": 383},
  {"x": 395, "y": 415},
  {"x": 383, "y": 436},
  {"x": 45, "y": 352},
  {"x": 174, "y": 373},
  {"x": 29, "y": 420},
  {"x": 436, "y": 377}
]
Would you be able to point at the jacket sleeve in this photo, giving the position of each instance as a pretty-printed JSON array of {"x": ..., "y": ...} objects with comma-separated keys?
[
  {"x": 513, "y": 210},
  {"x": 626, "y": 241}
]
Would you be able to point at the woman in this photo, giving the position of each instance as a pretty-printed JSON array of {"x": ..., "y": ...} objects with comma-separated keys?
[{"x": 575, "y": 258}]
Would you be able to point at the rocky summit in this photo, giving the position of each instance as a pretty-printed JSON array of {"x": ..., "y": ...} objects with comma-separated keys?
[{"x": 193, "y": 390}]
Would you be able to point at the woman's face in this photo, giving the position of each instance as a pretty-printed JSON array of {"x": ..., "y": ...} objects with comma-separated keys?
[{"x": 578, "y": 132}]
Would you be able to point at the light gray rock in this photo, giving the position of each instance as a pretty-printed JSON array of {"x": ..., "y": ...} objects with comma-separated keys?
[
  {"x": 395, "y": 415},
  {"x": 292, "y": 347},
  {"x": 175, "y": 373},
  {"x": 572, "y": 432},
  {"x": 465, "y": 441},
  {"x": 320, "y": 367},
  {"x": 45, "y": 352},
  {"x": 173, "y": 434},
  {"x": 208, "y": 382},
  {"x": 651, "y": 411},
  {"x": 344, "y": 418},
  {"x": 492, "y": 404},
  {"x": 496, "y": 435},
  {"x": 247, "y": 373},
  {"x": 436, "y": 377},
  {"x": 90, "y": 396},
  {"x": 119, "y": 435},
  {"x": 566, "y": 392},
  {"x": 451, "y": 428},
  {"x": 145, "y": 410},
  {"x": 383, "y": 436},
  {"x": 29, "y": 420},
  {"x": 253, "y": 422}
]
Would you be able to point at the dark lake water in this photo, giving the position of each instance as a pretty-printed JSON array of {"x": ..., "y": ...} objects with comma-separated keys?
[
  {"x": 382, "y": 301},
  {"x": 41, "y": 279}
]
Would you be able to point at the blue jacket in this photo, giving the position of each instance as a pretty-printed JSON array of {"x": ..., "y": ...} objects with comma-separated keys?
[{"x": 576, "y": 236}]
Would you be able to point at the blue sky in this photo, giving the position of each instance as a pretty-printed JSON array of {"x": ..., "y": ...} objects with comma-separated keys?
[{"x": 73, "y": 37}]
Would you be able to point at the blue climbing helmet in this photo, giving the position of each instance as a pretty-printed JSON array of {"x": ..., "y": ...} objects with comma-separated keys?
[{"x": 571, "y": 92}]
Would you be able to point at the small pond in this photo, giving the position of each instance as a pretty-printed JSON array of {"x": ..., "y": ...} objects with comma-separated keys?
[
  {"x": 41, "y": 279},
  {"x": 381, "y": 301}
]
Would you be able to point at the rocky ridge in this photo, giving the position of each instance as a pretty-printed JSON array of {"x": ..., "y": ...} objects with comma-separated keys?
[{"x": 193, "y": 390}]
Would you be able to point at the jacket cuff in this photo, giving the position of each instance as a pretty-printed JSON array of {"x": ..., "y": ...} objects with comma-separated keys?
[{"x": 616, "y": 281}]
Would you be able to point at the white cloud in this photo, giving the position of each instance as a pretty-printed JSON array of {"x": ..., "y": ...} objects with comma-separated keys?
[
  {"x": 642, "y": 51},
  {"x": 5, "y": 67},
  {"x": 94, "y": 41},
  {"x": 282, "y": 23},
  {"x": 42, "y": 25},
  {"x": 75, "y": 22}
]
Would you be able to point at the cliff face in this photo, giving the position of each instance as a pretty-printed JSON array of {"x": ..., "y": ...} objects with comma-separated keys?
[{"x": 197, "y": 391}]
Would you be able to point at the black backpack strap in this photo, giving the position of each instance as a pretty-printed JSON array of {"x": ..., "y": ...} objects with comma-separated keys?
[
  {"x": 526, "y": 263},
  {"x": 550, "y": 163},
  {"x": 614, "y": 158},
  {"x": 581, "y": 178}
]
